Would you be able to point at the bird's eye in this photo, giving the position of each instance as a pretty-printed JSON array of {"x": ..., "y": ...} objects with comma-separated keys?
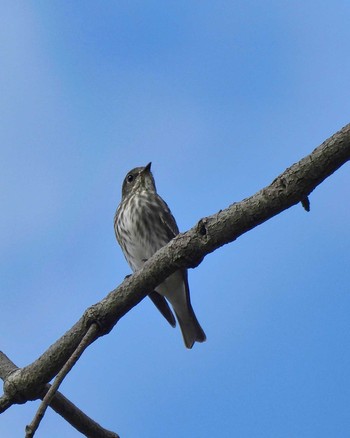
[{"x": 130, "y": 178}]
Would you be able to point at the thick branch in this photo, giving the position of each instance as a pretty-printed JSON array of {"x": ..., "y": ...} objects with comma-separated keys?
[{"x": 185, "y": 251}]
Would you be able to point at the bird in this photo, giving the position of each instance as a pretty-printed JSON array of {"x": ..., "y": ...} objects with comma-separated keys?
[{"x": 143, "y": 223}]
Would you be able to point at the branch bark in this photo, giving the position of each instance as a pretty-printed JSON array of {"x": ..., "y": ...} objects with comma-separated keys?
[
  {"x": 50, "y": 394},
  {"x": 187, "y": 250},
  {"x": 62, "y": 406}
]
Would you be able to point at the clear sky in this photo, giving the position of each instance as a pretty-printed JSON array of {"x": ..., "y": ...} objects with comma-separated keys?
[{"x": 221, "y": 97}]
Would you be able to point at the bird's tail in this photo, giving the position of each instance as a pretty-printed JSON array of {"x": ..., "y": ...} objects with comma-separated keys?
[
  {"x": 190, "y": 328},
  {"x": 175, "y": 289}
]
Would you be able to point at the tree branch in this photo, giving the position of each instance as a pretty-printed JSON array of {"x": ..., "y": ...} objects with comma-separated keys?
[
  {"x": 186, "y": 250},
  {"x": 50, "y": 394},
  {"x": 62, "y": 406}
]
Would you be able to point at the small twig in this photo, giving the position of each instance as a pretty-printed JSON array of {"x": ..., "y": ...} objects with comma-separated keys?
[
  {"x": 60, "y": 404},
  {"x": 78, "y": 419},
  {"x": 305, "y": 202},
  {"x": 84, "y": 343}
]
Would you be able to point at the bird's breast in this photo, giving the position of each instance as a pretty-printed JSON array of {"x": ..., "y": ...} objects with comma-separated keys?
[{"x": 139, "y": 230}]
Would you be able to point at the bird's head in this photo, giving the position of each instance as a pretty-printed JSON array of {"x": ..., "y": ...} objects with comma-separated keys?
[{"x": 137, "y": 180}]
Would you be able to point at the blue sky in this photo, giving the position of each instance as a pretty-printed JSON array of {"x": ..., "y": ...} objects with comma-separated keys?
[{"x": 221, "y": 97}]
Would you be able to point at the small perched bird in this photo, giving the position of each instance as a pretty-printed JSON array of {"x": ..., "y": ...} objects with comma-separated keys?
[{"x": 143, "y": 224}]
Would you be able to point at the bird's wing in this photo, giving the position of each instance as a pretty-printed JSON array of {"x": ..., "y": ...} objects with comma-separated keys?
[
  {"x": 168, "y": 220},
  {"x": 163, "y": 307},
  {"x": 171, "y": 230}
]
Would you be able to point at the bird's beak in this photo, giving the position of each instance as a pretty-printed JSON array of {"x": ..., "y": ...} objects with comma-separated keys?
[{"x": 148, "y": 167}]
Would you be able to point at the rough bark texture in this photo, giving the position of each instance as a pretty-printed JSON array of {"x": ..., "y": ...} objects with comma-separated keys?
[{"x": 187, "y": 250}]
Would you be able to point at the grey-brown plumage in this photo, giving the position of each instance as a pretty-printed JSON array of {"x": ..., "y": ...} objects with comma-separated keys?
[{"x": 143, "y": 224}]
